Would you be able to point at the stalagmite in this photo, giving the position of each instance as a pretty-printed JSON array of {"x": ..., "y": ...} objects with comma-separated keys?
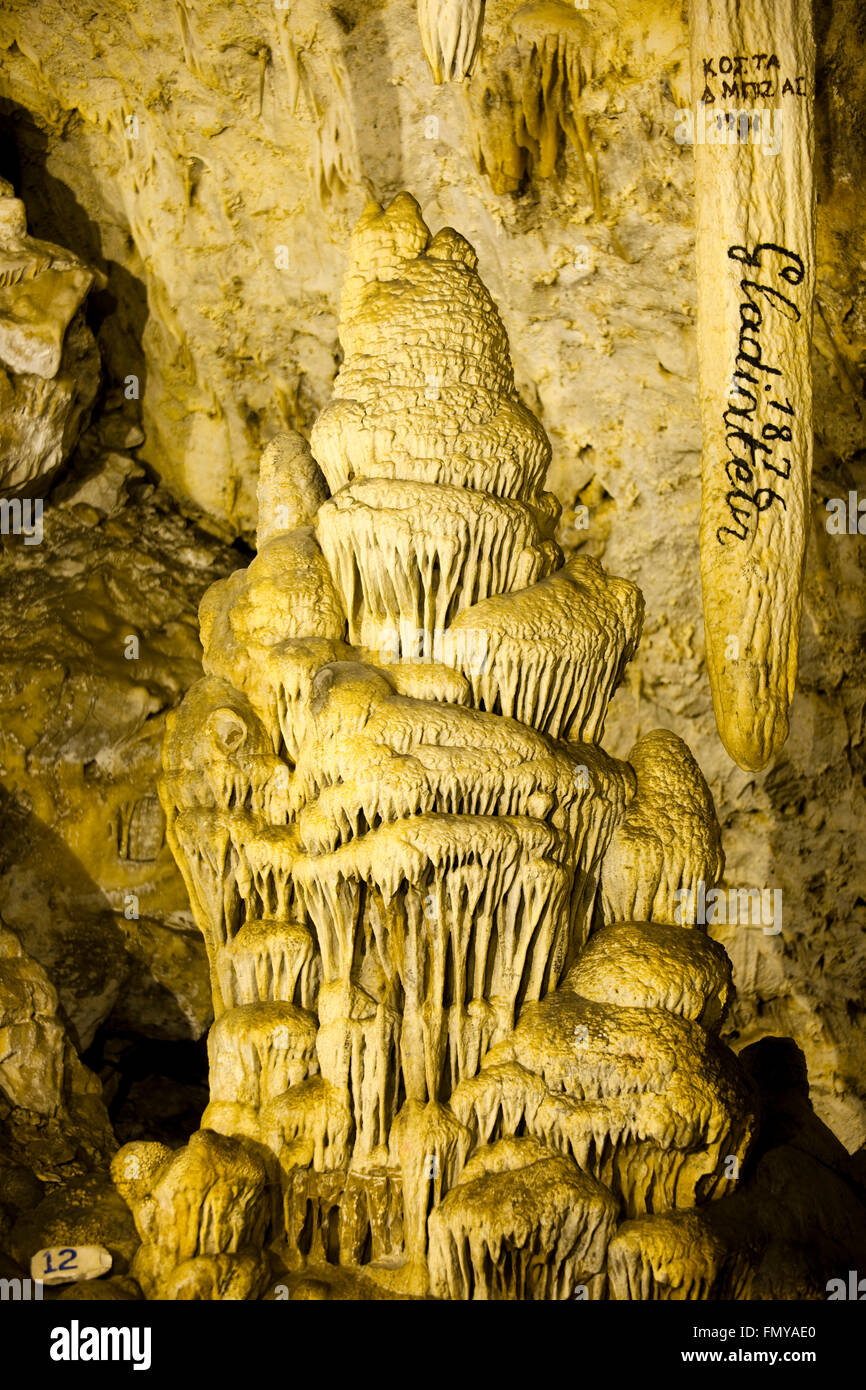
[
  {"x": 398, "y": 831},
  {"x": 522, "y": 1223},
  {"x": 291, "y": 488},
  {"x": 674, "y": 1257},
  {"x": 258, "y": 1050},
  {"x": 649, "y": 966},
  {"x": 412, "y": 555},
  {"x": 314, "y": 1112},
  {"x": 269, "y": 960},
  {"x": 539, "y": 638},
  {"x": 668, "y": 841},
  {"x": 205, "y": 1203},
  {"x": 754, "y": 154},
  {"x": 643, "y": 1098},
  {"x": 431, "y": 1147}
]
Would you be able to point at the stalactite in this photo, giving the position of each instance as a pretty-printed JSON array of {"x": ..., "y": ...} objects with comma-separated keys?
[
  {"x": 451, "y": 36},
  {"x": 755, "y": 204},
  {"x": 547, "y": 75}
]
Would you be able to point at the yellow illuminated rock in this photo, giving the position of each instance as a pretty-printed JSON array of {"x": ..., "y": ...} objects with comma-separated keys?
[
  {"x": 667, "y": 843},
  {"x": 50, "y": 1102},
  {"x": 451, "y": 34},
  {"x": 398, "y": 831},
  {"x": 49, "y": 363},
  {"x": 205, "y": 1205},
  {"x": 432, "y": 864},
  {"x": 756, "y": 277}
]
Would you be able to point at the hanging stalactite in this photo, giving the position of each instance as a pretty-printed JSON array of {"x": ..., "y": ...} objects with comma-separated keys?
[
  {"x": 753, "y": 72},
  {"x": 451, "y": 35}
]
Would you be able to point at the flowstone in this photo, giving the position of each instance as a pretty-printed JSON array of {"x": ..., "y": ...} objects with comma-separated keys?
[{"x": 459, "y": 1032}]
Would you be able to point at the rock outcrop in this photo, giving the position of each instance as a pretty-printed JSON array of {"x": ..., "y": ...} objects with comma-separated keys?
[{"x": 49, "y": 363}]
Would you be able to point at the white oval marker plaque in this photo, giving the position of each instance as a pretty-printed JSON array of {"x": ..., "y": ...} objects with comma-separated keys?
[{"x": 67, "y": 1264}]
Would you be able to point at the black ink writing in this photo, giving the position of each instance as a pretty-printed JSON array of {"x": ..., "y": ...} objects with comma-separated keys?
[{"x": 755, "y": 445}]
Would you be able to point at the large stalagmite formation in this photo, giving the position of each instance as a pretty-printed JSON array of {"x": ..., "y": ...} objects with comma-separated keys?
[{"x": 399, "y": 831}]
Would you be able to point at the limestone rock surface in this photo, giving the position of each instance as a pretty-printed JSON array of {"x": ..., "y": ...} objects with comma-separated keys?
[
  {"x": 97, "y": 640},
  {"x": 49, "y": 363}
]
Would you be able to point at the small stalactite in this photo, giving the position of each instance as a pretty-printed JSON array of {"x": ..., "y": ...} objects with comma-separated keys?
[
  {"x": 188, "y": 40},
  {"x": 550, "y": 70},
  {"x": 451, "y": 36},
  {"x": 318, "y": 89},
  {"x": 525, "y": 102}
]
